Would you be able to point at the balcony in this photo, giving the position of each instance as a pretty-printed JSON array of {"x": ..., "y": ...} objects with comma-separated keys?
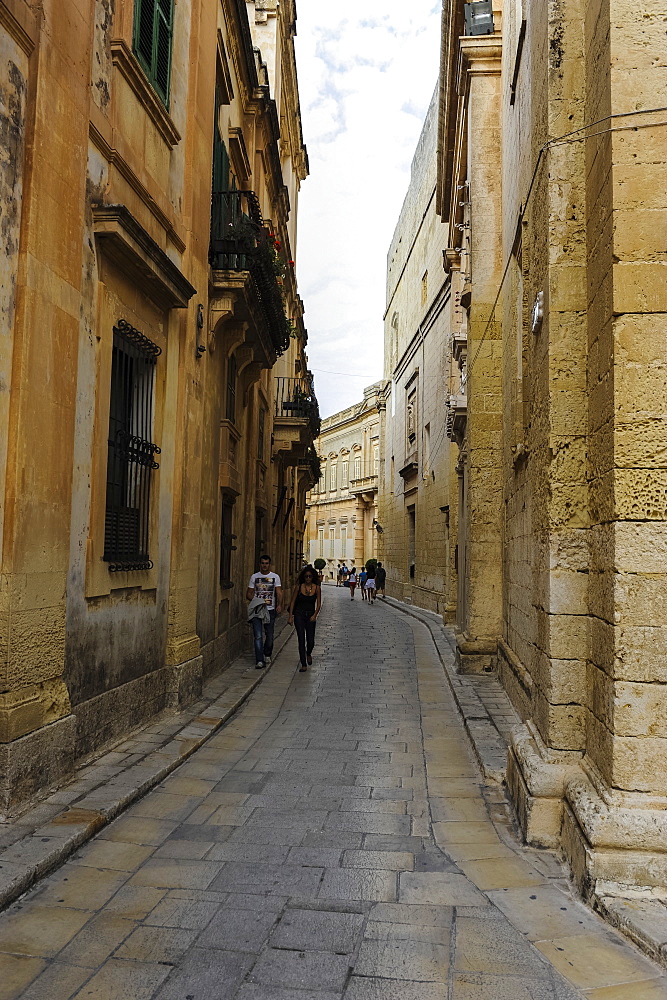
[
  {"x": 457, "y": 416},
  {"x": 296, "y": 421},
  {"x": 244, "y": 260},
  {"x": 312, "y": 466},
  {"x": 459, "y": 348}
]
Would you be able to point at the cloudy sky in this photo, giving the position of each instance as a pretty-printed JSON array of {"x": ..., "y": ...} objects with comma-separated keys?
[{"x": 366, "y": 75}]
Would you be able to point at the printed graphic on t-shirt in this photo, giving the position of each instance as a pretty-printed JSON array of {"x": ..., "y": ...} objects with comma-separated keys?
[{"x": 265, "y": 587}]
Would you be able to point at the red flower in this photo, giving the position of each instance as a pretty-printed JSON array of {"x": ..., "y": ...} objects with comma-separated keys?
[{"x": 291, "y": 263}]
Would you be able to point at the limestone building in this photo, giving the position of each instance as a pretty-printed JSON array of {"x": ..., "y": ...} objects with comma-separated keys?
[
  {"x": 156, "y": 410},
  {"x": 551, "y": 182},
  {"x": 417, "y": 506},
  {"x": 342, "y": 512}
]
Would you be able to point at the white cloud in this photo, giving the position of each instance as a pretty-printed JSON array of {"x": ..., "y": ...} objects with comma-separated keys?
[{"x": 365, "y": 82}]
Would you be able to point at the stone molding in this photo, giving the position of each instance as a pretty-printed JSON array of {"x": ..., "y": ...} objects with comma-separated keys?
[
  {"x": 479, "y": 55},
  {"x": 130, "y": 69},
  {"x": 536, "y": 781},
  {"x": 610, "y": 825},
  {"x": 135, "y": 251},
  {"x": 114, "y": 159},
  {"x": 20, "y": 23}
]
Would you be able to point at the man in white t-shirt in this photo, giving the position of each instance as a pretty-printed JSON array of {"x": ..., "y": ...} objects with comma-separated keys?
[{"x": 266, "y": 585}]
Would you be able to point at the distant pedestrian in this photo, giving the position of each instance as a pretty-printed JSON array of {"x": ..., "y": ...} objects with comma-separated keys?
[
  {"x": 363, "y": 576},
  {"x": 304, "y": 607},
  {"x": 339, "y": 577},
  {"x": 369, "y": 586},
  {"x": 264, "y": 587},
  {"x": 352, "y": 581},
  {"x": 380, "y": 580}
]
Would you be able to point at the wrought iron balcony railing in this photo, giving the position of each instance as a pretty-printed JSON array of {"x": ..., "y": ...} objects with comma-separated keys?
[
  {"x": 295, "y": 397},
  {"x": 241, "y": 242}
]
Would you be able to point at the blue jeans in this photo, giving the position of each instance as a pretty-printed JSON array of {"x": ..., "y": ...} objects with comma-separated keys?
[{"x": 263, "y": 643}]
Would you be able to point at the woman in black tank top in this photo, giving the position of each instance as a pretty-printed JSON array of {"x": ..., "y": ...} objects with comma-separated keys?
[{"x": 304, "y": 607}]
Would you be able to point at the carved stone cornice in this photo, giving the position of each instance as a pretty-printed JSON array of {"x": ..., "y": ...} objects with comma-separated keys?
[
  {"x": 451, "y": 260},
  {"x": 127, "y": 243},
  {"x": 479, "y": 55}
]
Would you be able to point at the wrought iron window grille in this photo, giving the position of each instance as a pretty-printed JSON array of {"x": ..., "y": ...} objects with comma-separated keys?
[{"x": 131, "y": 453}]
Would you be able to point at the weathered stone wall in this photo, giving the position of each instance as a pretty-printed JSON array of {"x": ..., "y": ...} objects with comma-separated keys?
[
  {"x": 416, "y": 545},
  {"x": 105, "y": 210},
  {"x": 583, "y": 358}
]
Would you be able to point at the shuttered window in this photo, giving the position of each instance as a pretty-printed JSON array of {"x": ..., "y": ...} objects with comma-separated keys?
[
  {"x": 131, "y": 453},
  {"x": 153, "y": 29}
]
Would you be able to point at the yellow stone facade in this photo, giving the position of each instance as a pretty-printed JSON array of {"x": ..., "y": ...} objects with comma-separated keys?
[
  {"x": 548, "y": 179},
  {"x": 151, "y": 316},
  {"x": 418, "y": 496},
  {"x": 342, "y": 512}
]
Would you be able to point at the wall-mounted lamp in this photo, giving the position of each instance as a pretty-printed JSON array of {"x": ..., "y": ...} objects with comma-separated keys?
[
  {"x": 200, "y": 349},
  {"x": 479, "y": 17}
]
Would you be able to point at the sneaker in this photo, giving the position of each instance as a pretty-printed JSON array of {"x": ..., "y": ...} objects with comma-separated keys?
[
  {"x": 267, "y": 661},
  {"x": 259, "y": 665}
]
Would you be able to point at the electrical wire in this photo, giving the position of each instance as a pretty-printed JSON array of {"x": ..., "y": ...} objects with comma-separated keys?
[{"x": 568, "y": 137}]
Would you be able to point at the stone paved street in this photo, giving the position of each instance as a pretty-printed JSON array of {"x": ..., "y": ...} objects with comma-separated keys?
[{"x": 333, "y": 840}]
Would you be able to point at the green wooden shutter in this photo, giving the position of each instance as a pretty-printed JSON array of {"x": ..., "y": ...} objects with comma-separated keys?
[
  {"x": 153, "y": 30},
  {"x": 220, "y": 154}
]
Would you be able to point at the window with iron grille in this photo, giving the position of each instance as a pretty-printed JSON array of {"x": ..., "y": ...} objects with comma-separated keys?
[
  {"x": 131, "y": 453},
  {"x": 227, "y": 539},
  {"x": 231, "y": 388},
  {"x": 153, "y": 31},
  {"x": 260, "y": 433}
]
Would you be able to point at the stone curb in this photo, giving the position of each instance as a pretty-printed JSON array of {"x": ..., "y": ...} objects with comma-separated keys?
[
  {"x": 644, "y": 921},
  {"x": 49, "y": 845},
  {"x": 488, "y": 744}
]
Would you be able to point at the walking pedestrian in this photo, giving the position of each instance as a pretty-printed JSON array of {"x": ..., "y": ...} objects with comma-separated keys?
[
  {"x": 369, "y": 586},
  {"x": 352, "y": 581},
  {"x": 339, "y": 577},
  {"x": 380, "y": 580},
  {"x": 363, "y": 576},
  {"x": 266, "y": 586},
  {"x": 304, "y": 607}
]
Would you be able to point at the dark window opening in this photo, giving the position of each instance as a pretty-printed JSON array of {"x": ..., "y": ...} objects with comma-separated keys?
[
  {"x": 260, "y": 433},
  {"x": 260, "y": 543},
  {"x": 412, "y": 541},
  {"x": 153, "y": 30},
  {"x": 227, "y": 539},
  {"x": 231, "y": 388},
  {"x": 131, "y": 453}
]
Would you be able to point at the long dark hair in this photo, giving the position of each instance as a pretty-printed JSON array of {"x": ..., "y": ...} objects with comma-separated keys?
[{"x": 308, "y": 569}]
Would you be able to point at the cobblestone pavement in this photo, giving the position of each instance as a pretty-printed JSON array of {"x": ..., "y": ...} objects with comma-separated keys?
[{"x": 333, "y": 840}]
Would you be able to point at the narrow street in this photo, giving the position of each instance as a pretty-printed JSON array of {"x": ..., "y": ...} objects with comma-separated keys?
[{"x": 334, "y": 840}]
